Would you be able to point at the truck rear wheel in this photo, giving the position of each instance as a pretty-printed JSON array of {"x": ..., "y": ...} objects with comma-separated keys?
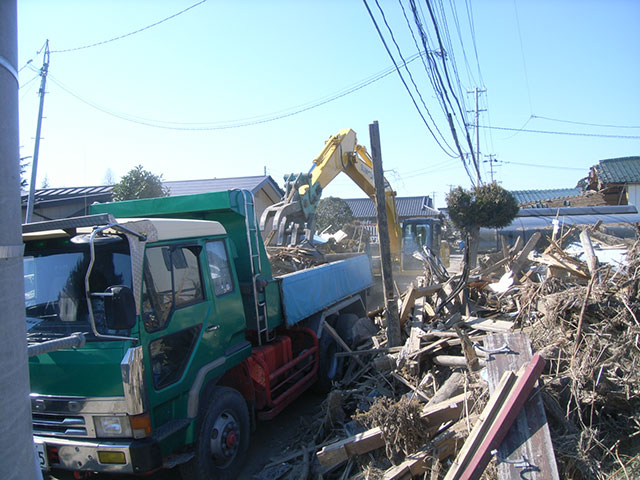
[{"x": 222, "y": 438}]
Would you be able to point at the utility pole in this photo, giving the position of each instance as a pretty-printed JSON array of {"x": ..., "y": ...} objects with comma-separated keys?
[
  {"x": 477, "y": 91},
  {"x": 36, "y": 148},
  {"x": 492, "y": 160},
  {"x": 17, "y": 460},
  {"x": 391, "y": 305}
]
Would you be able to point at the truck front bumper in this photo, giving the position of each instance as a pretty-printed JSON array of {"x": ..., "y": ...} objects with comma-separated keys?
[{"x": 109, "y": 456}]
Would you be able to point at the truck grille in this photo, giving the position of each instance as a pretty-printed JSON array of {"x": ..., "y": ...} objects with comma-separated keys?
[{"x": 51, "y": 424}]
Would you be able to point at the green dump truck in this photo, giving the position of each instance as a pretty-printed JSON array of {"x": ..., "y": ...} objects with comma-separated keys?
[{"x": 158, "y": 335}]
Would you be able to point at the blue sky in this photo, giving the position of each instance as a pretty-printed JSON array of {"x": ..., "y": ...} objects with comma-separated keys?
[{"x": 225, "y": 63}]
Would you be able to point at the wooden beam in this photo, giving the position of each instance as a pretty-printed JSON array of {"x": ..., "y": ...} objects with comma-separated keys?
[
  {"x": 336, "y": 453},
  {"x": 529, "y": 437},
  {"x": 482, "y": 426},
  {"x": 506, "y": 417},
  {"x": 331, "y": 331},
  {"x": 410, "y": 297}
]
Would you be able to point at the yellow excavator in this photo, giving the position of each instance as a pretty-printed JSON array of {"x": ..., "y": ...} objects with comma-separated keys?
[{"x": 292, "y": 220}]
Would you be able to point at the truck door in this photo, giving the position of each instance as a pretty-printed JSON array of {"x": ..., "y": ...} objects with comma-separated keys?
[{"x": 174, "y": 309}]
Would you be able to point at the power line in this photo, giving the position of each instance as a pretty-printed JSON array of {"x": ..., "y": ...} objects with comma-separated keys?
[
  {"x": 524, "y": 63},
  {"x": 401, "y": 77},
  {"x": 601, "y": 135},
  {"x": 120, "y": 37},
  {"x": 584, "y": 123},
  {"x": 244, "y": 122},
  {"x": 556, "y": 167}
]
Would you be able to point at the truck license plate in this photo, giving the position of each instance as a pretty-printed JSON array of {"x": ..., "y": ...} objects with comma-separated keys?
[{"x": 41, "y": 455}]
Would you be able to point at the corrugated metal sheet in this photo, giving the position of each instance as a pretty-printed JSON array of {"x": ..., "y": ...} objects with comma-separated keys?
[
  {"x": 619, "y": 170},
  {"x": 405, "y": 206},
  {"x": 527, "y": 196}
]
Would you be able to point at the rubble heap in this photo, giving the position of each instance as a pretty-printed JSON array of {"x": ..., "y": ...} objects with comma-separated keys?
[{"x": 541, "y": 333}]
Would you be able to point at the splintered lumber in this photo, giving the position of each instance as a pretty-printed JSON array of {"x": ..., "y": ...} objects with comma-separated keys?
[
  {"x": 529, "y": 436},
  {"x": 443, "y": 446},
  {"x": 487, "y": 324},
  {"x": 520, "y": 260},
  {"x": 454, "y": 361},
  {"x": 452, "y": 386},
  {"x": 592, "y": 260},
  {"x": 482, "y": 426},
  {"x": 527, "y": 378},
  {"x": 336, "y": 453},
  {"x": 412, "y": 295}
]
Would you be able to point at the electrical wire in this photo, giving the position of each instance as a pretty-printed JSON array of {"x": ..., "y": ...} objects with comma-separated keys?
[
  {"x": 401, "y": 77},
  {"x": 238, "y": 123},
  {"x": 556, "y": 167},
  {"x": 524, "y": 63},
  {"x": 577, "y": 134},
  {"x": 120, "y": 37},
  {"x": 584, "y": 123}
]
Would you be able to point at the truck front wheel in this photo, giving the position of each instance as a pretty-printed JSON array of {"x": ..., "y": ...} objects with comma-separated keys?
[{"x": 223, "y": 437}]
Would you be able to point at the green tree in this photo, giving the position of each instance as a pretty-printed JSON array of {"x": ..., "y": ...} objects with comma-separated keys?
[
  {"x": 488, "y": 205},
  {"x": 139, "y": 183},
  {"x": 334, "y": 213}
]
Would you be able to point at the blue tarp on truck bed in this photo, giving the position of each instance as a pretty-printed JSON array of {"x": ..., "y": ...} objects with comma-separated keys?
[{"x": 309, "y": 291}]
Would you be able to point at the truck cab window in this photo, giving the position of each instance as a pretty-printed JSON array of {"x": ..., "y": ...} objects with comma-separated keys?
[
  {"x": 219, "y": 268},
  {"x": 171, "y": 280}
]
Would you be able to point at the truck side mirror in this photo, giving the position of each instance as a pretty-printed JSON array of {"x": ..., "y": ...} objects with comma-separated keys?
[{"x": 119, "y": 308}]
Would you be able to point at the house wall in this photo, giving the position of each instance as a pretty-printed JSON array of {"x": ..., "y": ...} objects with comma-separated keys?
[{"x": 633, "y": 194}]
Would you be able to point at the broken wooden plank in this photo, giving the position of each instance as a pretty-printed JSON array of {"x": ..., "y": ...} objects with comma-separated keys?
[
  {"x": 443, "y": 446},
  {"x": 520, "y": 260},
  {"x": 437, "y": 414},
  {"x": 454, "y": 361},
  {"x": 482, "y": 426},
  {"x": 339, "y": 340},
  {"x": 410, "y": 297},
  {"x": 505, "y": 419},
  {"x": 590, "y": 256},
  {"x": 529, "y": 437},
  {"x": 488, "y": 324}
]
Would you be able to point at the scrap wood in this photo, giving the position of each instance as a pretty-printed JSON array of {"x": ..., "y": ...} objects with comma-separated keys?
[
  {"x": 522, "y": 256},
  {"x": 442, "y": 447},
  {"x": 482, "y": 426},
  {"x": 487, "y": 324},
  {"x": 361, "y": 443},
  {"x": 500, "y": 426},
  {"x": 411, "y": 295},
  {"x": 529, "y": 436},
  {"x": 454, "y": 361},
  {"x": 591, "y": 259}
]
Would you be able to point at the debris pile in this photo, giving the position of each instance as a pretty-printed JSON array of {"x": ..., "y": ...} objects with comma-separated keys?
[{"x": 527, "y": 366}]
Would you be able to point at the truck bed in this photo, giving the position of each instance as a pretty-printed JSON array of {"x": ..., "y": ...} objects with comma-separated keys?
[{"x": 310, "y": 291}]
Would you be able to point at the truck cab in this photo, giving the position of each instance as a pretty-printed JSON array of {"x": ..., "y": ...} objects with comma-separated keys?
[{"x": 153, "y": 340}]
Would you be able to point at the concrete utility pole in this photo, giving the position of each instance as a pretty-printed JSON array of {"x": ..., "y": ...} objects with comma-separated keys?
[
  {"x": 391, "y": 305},
  {"x": 492, "y": 160},
  {"x": 17, "y": 460},
  {"x": 36, "y": 148},
  {"x": 477, "y": 111}
]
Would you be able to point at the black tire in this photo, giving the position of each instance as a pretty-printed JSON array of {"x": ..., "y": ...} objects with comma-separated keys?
[
  {"x": 344, "y": 327},
  {"x": 330, "y": 367},
  {"x": 222, "y": 437}
]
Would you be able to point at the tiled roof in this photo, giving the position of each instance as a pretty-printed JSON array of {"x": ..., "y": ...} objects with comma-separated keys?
[
  {"x": 619, "y": 170},
  {"x": 182, "y": 187},
  {"x": 53, "y": 194},
  {"x": 254, "y": 183},
  {"x": 526, "y": 196},
  {"x": 405, "y": 206}
]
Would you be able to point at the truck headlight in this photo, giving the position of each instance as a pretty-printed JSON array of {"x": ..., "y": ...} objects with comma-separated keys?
[{"x": 112, "y": 427}]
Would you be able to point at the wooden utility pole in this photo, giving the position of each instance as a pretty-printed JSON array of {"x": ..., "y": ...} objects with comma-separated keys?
[
  {"x": 17, "y": 460},
  {"x": 391, "y": 304}
]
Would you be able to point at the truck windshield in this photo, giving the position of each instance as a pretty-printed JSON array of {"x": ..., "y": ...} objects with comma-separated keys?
[{"x": 54, "y": 272}]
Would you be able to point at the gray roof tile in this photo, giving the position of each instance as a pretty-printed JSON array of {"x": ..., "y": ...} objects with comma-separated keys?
[{"x": 619, "y": 170}]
